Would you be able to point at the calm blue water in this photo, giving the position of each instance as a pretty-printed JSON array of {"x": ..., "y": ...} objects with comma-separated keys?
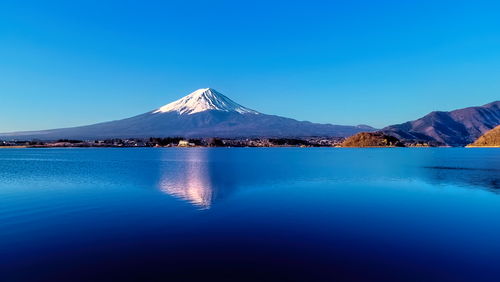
[{"x": 265, "y": 214}]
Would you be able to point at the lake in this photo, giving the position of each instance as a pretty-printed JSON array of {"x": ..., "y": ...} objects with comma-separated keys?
[{"x": 250, "y": 214}]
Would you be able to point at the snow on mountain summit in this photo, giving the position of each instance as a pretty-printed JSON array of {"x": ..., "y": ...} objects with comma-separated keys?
[{"x": 203, "y": 100}]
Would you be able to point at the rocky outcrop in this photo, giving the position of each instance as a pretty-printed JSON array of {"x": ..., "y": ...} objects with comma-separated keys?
[
  {"x": 371, "y": 139},
  {"x": 489, "y": 139}
]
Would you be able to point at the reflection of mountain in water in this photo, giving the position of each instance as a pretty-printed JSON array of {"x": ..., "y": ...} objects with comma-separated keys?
[
  {"x": 471, "y": 177},
  {"x": 189, "y": 180},
  {"x": 203, "y": 176},
  {"x": 192, "y": 184},
  {"x": 461, "y": 167},
  {"x": 196, "y": 178}
]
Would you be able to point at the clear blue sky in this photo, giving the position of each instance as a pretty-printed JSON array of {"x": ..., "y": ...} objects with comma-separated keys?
[{"x": 65, "y": 63}]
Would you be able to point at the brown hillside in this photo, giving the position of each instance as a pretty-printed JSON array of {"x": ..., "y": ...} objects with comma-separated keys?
[
  {"x": 371, "y": 139},
  {"x": 489, "y": 139}
]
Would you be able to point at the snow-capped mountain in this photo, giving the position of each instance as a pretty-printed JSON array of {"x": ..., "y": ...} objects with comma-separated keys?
[
  {"x": 204, "y": 99},
  {"x": 203, "y": 113}
]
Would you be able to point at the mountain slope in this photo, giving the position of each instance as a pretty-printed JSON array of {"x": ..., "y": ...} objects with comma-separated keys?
[
  {"x": 489, "y": 139},
  {"x": 455, "y": 128},
  {"x": 203, "y": 113}
]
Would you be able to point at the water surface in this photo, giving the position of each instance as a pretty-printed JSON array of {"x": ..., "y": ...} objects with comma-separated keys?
[{"x": 266, "y": 214}]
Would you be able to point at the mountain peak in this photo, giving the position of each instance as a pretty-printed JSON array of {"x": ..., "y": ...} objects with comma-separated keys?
[{"x": 204, "y": 99}]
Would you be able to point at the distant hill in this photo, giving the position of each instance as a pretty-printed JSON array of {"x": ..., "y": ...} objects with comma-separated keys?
[
  {"x": 489, "y": 139},
  {"x": 203, "y": 113},
  {"x": 454, "y": 128},
  {"x": 371, "y": 139}
]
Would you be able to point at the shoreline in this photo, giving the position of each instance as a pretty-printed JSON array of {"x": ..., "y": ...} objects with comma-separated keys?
[
  {"x": 187, "y": 147},
  {"x": 470, "y": 146}
]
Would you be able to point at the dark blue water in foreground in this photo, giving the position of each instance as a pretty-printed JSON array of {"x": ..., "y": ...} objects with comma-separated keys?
[{"x": 263, "y": 214}]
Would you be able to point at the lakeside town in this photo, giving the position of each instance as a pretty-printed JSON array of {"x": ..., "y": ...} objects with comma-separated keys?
[
  {"x": 179, "y": 142},
  {"x": 362, "y": 139}
]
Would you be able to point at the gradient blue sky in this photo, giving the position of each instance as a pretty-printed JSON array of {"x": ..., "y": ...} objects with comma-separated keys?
[{"x": 65, "y": 63}]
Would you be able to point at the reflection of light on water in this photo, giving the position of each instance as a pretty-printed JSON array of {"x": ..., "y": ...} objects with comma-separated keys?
[{"x": 189, "y": 181}]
